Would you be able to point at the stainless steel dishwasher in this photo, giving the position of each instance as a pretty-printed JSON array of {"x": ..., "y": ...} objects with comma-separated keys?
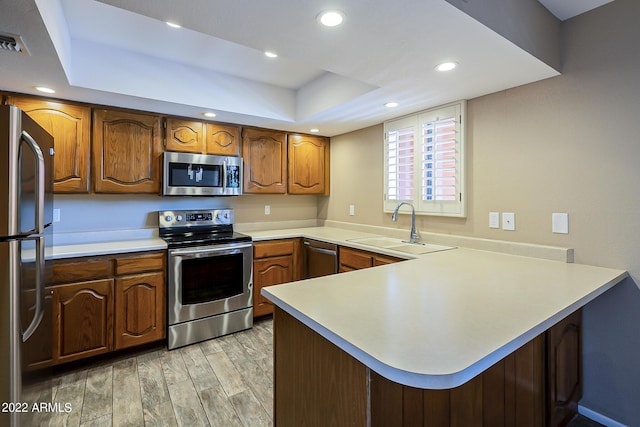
[{"x": 320, "y": 258}]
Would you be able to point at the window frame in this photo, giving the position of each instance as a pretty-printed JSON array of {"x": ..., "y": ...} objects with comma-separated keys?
[{"x": 415, "y": 121}]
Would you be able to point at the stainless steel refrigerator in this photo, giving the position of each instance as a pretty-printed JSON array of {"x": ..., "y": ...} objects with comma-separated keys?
[{"x": 26, "y": 208}]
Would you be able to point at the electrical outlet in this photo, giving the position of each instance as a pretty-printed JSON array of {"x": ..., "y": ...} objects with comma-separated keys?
[
  {"x": 267, "y": 209},
  {"x": 352, "y": 210},
  {"x": 494, "y": 220},
  {"x": 56, "y": 215},
  {"x": 508, "y": 221},
  {"x": 560, "y": 223}
]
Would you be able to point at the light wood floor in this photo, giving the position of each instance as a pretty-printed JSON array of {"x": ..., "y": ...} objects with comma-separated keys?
[{"x": 226, "y": 381}]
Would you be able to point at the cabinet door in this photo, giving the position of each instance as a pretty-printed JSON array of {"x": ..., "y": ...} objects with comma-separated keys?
[
  {"x": 83, "y": 319},
  {"x": 184, "y": 135},
  {"x": 308, "y": 165},
  {"x": 70, "y": 126},
  {"x": 222, "y": 139},
  {"x": 268, "y": 272},
  {"x": 126, "y": 152},
  {"x": 265, "y": 158},
  {"x": 139, "y": 309},
  {"x": 564, "y": 379},
  {"x": 354, "y": 259}
]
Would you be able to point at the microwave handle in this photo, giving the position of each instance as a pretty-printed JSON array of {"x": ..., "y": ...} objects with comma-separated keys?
[{"x": 224, "y": 175}]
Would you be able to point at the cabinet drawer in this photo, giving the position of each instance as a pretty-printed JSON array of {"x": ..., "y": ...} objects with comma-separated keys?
[
  {"x": 139, "y": 264},
  {"x": 80, "y": 270},
  {"x": 355, "y": 259},
  {"x": 273, "y": 248},
  {"x": 385, "y": 259}
]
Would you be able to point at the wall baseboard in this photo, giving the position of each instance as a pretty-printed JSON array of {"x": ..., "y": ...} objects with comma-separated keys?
[{"x": 598, "y": 417}]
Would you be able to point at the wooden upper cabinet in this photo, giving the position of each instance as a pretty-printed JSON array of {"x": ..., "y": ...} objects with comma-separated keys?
[
  {"x": 265, "y": 161},
  {"x": 126, "y": 152},
  {"x": 193, "y": 136},
  {"x": 184, "y": 135},
  {"x": 308, "y": 165},
  {"x": 222, "y": 139},
  {"x": 70, "y": 126}
]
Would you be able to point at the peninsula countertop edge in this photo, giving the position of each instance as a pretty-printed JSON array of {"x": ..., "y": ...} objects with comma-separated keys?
[{"x": 439, "y": 320}]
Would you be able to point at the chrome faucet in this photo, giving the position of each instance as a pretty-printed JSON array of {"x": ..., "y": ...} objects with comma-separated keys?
[{"x": 414, "y": 236}]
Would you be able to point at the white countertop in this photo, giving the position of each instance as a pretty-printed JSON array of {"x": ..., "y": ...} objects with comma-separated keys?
[
  {"x": 70, "y": 245},
  {"x": 437, "y": 321}
]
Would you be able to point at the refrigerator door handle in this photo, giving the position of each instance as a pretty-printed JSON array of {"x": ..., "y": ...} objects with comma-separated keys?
[
  {"x": 39, "y": 205},
  {"x": 37, "y": 317}
]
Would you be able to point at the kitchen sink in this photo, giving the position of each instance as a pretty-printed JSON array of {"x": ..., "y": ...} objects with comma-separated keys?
[{"x": 400, "y": 245}]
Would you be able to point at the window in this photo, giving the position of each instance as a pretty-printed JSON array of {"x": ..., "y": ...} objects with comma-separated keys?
[{"x": 424, "y": 161}]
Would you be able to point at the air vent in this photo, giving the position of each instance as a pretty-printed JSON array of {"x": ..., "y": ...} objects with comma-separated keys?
[{"x": 12, "y": 43}]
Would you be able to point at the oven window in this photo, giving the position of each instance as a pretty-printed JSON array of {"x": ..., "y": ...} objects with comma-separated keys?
[
  {"x": 212, "y": 278},
  {"x": 194, "y": 175}
]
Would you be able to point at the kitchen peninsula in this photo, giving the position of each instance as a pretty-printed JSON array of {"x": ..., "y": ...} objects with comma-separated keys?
[{"x": 455, "y": 337}]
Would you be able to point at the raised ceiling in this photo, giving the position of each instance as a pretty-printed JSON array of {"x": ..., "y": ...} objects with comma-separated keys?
[{"x": 122, "y": 53}]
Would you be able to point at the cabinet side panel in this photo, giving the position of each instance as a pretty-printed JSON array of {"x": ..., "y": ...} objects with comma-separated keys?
[
  {"x": 386, "y": 402},
  {"x": 316, "y": 383}
]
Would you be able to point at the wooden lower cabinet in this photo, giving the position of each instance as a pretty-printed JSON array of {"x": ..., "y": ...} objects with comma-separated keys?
[
  {"x": 318, "y": 384},
  {"x": 83, "y": 320},
  {"x": 351, "y": 259},
  {"x": 106, "y": 303},
  {"x": 564, "y": 369},
  {"x": 274, "y": 262},
  {"x": 139, "y": 309}
]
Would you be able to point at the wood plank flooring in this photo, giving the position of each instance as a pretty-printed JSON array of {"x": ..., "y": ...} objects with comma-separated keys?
[{"x": 226, "y": 381}]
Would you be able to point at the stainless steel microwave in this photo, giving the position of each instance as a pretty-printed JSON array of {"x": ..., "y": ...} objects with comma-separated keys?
[{"x": 189, "y": 174}]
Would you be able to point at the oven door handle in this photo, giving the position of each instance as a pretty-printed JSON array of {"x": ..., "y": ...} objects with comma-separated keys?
[{"x": 210, "y": 249}]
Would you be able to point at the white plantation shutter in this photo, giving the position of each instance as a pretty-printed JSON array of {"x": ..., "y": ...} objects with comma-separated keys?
[
  {"x": 439, "y": 159},
  {"x": 424, "y": 161},
  {"x": 400, "y": 164}
]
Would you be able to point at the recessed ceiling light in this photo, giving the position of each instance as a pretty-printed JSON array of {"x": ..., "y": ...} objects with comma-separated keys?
[
  {"x": 391, "y": 104},
  {"x": 331, "y": 18},
  {"x": 173, "y": 24},
  {"x": 314, "y": 130},
  {"x": 44, "y": 89},
  {"x": 271, "y": 54},
  {"x": 209, "y": 114},
  {"x": 446, "y": 66}
]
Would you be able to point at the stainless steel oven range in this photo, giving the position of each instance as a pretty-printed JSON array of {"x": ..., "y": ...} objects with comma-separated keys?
[{"x": 210, "y": 275}]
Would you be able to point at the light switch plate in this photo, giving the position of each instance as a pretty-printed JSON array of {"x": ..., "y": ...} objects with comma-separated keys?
[
  {"x": 352, "y": 210},
  {"x": 267, "y": 209},
  {"x": 494, "y": 220},
  {"x": 560, "y": 223},
  {"x": 508, "y": 221},
  {"x": 56, "y": 215}
]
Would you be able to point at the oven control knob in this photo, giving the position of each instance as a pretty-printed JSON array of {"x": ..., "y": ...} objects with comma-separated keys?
[
  {"x": 168, "y": 218},
  {"x": 179, "y": 218}
]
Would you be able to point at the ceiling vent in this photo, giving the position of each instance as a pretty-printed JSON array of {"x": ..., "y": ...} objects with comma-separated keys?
[{"x": 12, "y": 43}]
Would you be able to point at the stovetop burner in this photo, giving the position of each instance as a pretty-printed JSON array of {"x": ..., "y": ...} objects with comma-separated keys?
[{"x": 198, "y": 227}]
